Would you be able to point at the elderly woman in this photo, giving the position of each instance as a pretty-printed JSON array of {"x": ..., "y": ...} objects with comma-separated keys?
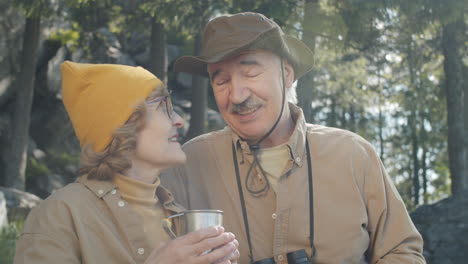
[{"x": 113, "y": 213}]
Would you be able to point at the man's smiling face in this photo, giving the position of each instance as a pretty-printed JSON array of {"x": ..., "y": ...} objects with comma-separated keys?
[{"x": 248, "y": 91}]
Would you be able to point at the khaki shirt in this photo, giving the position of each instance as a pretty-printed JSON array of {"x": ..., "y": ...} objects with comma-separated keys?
[
  {"x": 359, "y": 217},
  {"x": 86, "y": 222}
]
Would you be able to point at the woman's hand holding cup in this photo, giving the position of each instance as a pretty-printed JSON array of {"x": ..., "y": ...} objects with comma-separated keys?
[{"x": 190, "y": 248}]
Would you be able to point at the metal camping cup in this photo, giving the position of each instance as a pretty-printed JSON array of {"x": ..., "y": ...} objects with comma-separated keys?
[{"x": 192, "y": 220}]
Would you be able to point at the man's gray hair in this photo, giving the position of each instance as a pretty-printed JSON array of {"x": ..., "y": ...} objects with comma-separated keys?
[{"x": 291, "y": 94}]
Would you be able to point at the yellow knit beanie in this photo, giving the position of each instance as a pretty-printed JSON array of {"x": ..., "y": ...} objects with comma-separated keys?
[{"x": 100, "y": 98}]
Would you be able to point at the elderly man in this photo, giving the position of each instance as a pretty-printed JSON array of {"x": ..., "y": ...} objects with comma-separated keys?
[{"x": 286, "y": 187}]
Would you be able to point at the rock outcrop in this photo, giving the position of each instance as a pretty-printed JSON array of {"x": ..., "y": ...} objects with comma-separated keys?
[
  {"x": 444, "y": 227},
  {"x": 3, "y": 211},
  {"x": 19, "y": 203}
]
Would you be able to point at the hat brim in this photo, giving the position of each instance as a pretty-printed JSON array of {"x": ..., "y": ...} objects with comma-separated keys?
[
  {"x": 197, "y": 64},
  {"x": 299, "y": 55},
  {"x": 294, "y": 50}
]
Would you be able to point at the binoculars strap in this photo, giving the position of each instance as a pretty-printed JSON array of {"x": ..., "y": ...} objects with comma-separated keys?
[{"x": 244, "y": 209}]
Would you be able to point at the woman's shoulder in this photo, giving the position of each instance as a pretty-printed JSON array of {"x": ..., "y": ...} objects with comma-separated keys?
[
  {"x": 72, "y": 193},
  {"x": 58, "y": 207}
]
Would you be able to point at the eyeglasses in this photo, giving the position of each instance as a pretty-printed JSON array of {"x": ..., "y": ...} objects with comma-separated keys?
[{"x": 166, "y": 99}]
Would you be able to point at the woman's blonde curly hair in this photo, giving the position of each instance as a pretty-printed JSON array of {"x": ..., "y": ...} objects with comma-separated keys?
[{"x": 116, "y": 157}]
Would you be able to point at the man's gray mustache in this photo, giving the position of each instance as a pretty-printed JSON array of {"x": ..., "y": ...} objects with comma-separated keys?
[{"x": 247, "y": 105}]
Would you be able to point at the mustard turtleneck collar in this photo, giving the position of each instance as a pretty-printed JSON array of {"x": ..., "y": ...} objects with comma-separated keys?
[{"x": 136, "y": 191}]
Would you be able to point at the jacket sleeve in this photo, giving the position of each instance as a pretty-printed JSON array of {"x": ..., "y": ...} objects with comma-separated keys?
[
  {"x": 175, "y": 180},
  {"x": 393, "y": 237},
  {"x": 48, "y": 238}
]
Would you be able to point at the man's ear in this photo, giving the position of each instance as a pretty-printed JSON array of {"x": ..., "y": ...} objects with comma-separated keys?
[{"x": 288, "y": 74}]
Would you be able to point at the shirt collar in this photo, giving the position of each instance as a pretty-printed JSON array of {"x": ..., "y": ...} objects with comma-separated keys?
[
  {"x": 98, "y": 187},
  {"x": 296, "y": 142},
  {"x": 102, "y": 188}
]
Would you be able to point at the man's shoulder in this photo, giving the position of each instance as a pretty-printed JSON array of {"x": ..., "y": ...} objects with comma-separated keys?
[
  {"x": 339, "y": 136},
  {"x": 326, "y": 131}
]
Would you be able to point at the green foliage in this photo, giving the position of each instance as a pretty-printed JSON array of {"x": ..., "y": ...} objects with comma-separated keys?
[
  {"x": 441, "y": 183},
  {"x": 281, "y": 11},
  {"x": 424, "y": 12},
  {"x": 92, "y": 14},
  {"x": 405, "y": 189},
  {"x": 62, "y": 160},
  {"x": 68, "y": 37},
  {"x": 8, "y": 237},
  {"x": 35, "y": 8},
  {"x": 36, "y": 168},
  {"x": 323, "y": 19},
  {"x": 378, "y": 73},
  {"x": 360, "y": 18},
  {"x": 163, "y": 10},
  {"x": 54, "y": 162}
]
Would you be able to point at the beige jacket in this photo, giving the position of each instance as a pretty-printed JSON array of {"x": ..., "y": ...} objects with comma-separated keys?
[
  {"x": 359, "y": 215},
  {"x": 86, "y": 222}
]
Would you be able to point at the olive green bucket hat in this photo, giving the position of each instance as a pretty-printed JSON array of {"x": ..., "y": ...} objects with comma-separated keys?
[{"x": 228, "y": 35}]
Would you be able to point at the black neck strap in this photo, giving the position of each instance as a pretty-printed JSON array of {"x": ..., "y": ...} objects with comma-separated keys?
[{"x": 244, "y": 209}]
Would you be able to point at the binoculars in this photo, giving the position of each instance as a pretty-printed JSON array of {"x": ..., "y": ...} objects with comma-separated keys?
[{"x": 296, "y": 257}]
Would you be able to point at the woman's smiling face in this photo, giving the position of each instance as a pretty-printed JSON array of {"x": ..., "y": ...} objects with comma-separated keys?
[{"x": 157, "y": 143}]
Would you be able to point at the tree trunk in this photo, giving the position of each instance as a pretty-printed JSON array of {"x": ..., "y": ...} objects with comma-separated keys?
[
  {"x": 465, "y": 105},
  {"x": 424, "y": 173},
  {"x": 381, "y": 124},
  {"x": 199, "y": 93},
  {"x": 343, "y": 120},
  {"x": 15, "y": 166},
  {"x": 332, "y": 116},
  {"x": 413, "y": 121},
  {"x": 454, "y": 93},
  {"x": 158, "y": 51},
  {"x": 423, "y": 145},
  {"x": 414, "y": 155},
  {"x": 352, "y": 118},
  {"x": 306, "y": 86},
  {"x": 381, "y": 116}
]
